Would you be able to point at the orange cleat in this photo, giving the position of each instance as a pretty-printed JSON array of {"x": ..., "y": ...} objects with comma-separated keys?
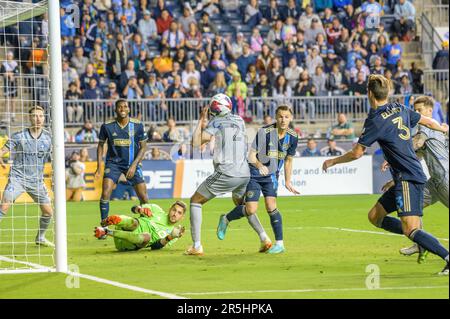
[
  {"x": 265, "y": 246},
  {"x": 194, "y": 252}
]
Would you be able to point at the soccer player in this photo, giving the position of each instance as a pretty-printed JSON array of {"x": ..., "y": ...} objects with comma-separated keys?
[
  {"x": 274, "y": 145},
  {"x": 231, "y": 171},
  {"x": 432, "y": 146},
  {"x": 154, "y": 227},
  {"x": 390, "y": 125},
  {"x": 30, "y": 149},
  {"x": 126, "y": 148}
]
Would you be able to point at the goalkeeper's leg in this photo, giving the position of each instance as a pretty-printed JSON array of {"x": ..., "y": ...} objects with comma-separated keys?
[
  {"x": 123, "y": 222},
  {"x": 123, "y": 239}
]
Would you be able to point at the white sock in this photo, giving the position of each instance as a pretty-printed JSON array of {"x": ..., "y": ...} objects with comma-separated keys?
[
  {"x": 196, "y": 224},
  {"x": 279, "y": 243}
]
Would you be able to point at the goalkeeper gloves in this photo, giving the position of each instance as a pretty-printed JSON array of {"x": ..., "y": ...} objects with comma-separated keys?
[
  {"x": 143, "y": 211},
  {"x": 176, "y": 232}
]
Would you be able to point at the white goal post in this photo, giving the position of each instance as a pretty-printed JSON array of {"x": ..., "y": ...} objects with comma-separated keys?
[{"x": 12, "y": 14}]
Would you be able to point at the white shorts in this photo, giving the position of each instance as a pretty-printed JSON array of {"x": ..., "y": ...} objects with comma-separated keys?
[
  {"x": 218, "y": 184},
  {"x": 436, "y": 192},
  {"x": 37, "y": 191}
]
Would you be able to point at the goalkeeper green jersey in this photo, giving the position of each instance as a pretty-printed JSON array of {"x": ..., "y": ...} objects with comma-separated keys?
[{"x": 158, "y": 225}]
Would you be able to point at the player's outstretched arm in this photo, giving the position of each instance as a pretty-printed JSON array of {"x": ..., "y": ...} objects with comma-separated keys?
[
  {"x": 357, "y": 152},
  {"x": 288, "y": 176},
  {"x": 177, "y": 232},
  {"x": 199, "y": 136},
  {"x": 433, "y": 124}
]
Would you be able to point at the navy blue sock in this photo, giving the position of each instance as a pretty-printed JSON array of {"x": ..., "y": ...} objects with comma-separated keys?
[
  {"x": 104, "y": 208},
  {"x": 277, "y": 224},
  {"x": 392, "y": 224},
  {"x": 429, "y": 242},
  {"x": 236, "y": 213}
]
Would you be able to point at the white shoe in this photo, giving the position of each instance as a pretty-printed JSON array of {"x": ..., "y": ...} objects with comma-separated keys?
[
  {"x": 408, "y": 251},
  {"x": 44, "y": 242}
]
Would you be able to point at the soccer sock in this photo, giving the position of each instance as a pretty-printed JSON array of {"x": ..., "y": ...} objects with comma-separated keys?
[
  {"x": 277, "y": 225},
  {"x": 196, "y": 224},
  {"x": 126, "y": 223},
  {"x": 236, "y": 213},
  {"x": 104, "y": 208},
  {"x": 44, "y": 222},
  {"x": 392, "y": 224},
  {"x": 429, "y": 242},
  {"x": 133, "y": 238},
  {"x": 253, "y": 220}
]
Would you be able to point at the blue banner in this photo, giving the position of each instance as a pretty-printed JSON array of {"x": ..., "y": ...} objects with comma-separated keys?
[{"x": 159, "y": 177}]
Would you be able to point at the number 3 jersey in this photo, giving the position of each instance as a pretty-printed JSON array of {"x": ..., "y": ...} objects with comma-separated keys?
[{"x": 390, "y": 125}]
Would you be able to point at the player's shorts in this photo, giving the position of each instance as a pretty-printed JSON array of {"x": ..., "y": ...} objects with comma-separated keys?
[
  {"x": 404, "y": 197},
  {"x": 218, "y": 184},
  {"x": 267, "y": 185},
  {"x": 16, "y": 187},
  {"x": 436, "y": 191},
  {"x": 125, "y": 245},
  {"x": 113, "y": 172}
]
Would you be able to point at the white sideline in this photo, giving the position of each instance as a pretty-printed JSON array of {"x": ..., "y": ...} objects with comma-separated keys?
[
  {"x": 40, "y": 268},
  {"x": 306, "y": 290}
]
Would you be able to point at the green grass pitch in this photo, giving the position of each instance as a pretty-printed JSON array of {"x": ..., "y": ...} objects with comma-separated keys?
[{"x": 324, "y": 258}]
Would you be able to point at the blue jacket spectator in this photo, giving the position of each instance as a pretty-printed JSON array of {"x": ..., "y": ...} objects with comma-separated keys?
[
  {"x": 245, "y": 60},
  {"x": 393, "y": 53},
  {"x": 311, "y": 149}
]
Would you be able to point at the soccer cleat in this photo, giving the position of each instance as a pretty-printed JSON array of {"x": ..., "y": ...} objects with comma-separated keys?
[
  {"x": 276, "y": 249},
  {"x": 194, "y": 252},
  {"x": 423, "y": 253},
  {"x": 444, "y": 271},
  {"x": 111, "y": 220},
  {"x": 265, "y": 246},
  {"x": 408, "y": 251},
  {"x": 100, "y": 232},
  {"x": 44, "y": 242},
  {"x": 222, "y": 227}
]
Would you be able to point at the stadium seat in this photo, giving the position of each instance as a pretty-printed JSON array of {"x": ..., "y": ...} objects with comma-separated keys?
[{"x": 388, "y": 21}]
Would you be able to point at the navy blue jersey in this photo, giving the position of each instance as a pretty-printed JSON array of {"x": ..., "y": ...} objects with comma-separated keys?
[
  {"x": 123, "y": 142},
  {"x": 271, "y": 150},
  {"x": 390, "y": 125}
]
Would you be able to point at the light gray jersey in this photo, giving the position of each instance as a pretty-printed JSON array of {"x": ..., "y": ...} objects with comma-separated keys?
[
  {"x": 230, "y": 148},
  {"x": 434, "y": 152},
  {"x": 29, "y": 155}
]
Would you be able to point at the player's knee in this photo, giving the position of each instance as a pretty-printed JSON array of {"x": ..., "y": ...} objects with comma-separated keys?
[{"x": 374, "y": 218}]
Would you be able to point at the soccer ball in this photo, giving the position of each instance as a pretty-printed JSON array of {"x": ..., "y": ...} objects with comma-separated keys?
[{"x": 220, "y": 105}]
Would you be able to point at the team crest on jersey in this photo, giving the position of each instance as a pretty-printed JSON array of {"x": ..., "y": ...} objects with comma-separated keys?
[
  {"x": 285, "y": 146},
  {"x": 107, "y": 170},
  {"x": 250, "y": 194}
]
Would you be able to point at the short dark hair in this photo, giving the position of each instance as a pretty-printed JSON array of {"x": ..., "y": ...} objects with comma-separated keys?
[
  {"x": 119, "y": 101},
  {"x": 427, "y": 101},
  {"x": 36, "y": 108},
  {"x": 284, "y": 107},
  {"x": 379, "y": 86},
  {"x": 181, "y": 204}
]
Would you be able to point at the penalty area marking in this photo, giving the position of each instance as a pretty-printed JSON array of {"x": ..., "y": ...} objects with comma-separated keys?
[
  {"x": 306, "y": 290},
  {"x": 40, "y": 268}
]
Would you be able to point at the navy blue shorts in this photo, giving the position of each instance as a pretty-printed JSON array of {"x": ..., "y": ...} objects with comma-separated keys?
[
  {"x": 267, "y": 185},
  {"x": 113, "y": 172},
  {"x": 404, "y": 197}
]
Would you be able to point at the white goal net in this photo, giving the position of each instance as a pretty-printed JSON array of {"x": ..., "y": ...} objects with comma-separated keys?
[{"x": 28, "y": 177}]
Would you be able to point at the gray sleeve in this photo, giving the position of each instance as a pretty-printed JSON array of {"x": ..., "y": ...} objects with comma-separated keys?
[{"x": 212, "y": 127}]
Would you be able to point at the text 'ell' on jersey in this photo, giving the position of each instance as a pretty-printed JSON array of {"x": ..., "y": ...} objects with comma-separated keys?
[
  {"x": 123, "y": 142},
  {"x": 390, "y": 125},
  {"x": 271, "y": 150},
  {"x": 230, "y": 147}
]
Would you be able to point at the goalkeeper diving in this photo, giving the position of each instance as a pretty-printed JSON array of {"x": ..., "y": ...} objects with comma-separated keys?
[{"x": 153, "y": 228}]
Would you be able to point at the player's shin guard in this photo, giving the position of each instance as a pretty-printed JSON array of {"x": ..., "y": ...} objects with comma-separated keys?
[
  {"x": 277, "y": 224},
  {"x": 196, "y": 224},
  {"x": 429, "y": 242},
  {"x": 237, "y": 213},
  {"x": 134, "y": 238},
  {"x": 104, "y": 208},
  {"x": 44, "y": 222},
  {"x": 392, "y": 224}
]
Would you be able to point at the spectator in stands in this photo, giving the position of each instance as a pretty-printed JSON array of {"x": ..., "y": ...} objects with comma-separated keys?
[
  {"x": 311, "y": 149},
  {"x": 306, "y": 88},
  {"x": 343, "y": 129},
  {"x": 98, "y": 58},
  {"x": 352, "y": 20},
  {"x": 252, "y": 78},
  {"x": 245, "y": 60},
  {"x": 127, "y": 10},
  {"x": 377, "y": 67},
  {"x": 163, "y": 63},
  {"x": 127, "y": 74},
  {"x": 273, "y": 12},
  {"x": 96, "y": 31},
  {"x": 73, "y": 108},
  {"x": 135, "y": 46},
  {"x": 153, "y": 89},
  {"x": 292, "y": 73},
  {"x": 173, "y": 37},
  {"x": 237, "y": 90},
  {"x": 321, "y": 5},
  {"x": 79, "y": 61},
  {"x": 158, "y": 155},
  {"x": 132, "y": 91},
  {"x": 359, "y": 86},
  {"x": 416, "y": 75},
  {"x": 331, "y": 59},
  {"x": 187, "y": 18},
  {"x": 163, "y": 22},
  {"x": 331, "y": 149},
  {"x": 256, "y": 41},
  {"x": 147, "y": 27},
  {"x": 313, "y": 60},
  {"x": 181, "y": 58},
  {"x": 263, "y": 90},
  {"x": 359, "y": 67},
  {"x": 264, "y": 59},
  {"x": 355, "y": 52},
  {"x": 319, "y": 80},
  {"x": 337, "y": 82},
  {"x": 75, "y": 182},
  {"x": 219, "y": 85},
  {"x": 252, "y": 14},
  {"x": 92, "y": 92},
  {"x": 176, "y": 89},
  {"x": 311, "y": 33},
  {"x": 188, "y": 73},
  {"x": 288, "y": 31},
  {"x": 69, "y": 75},
  {"x": 87, "y": 134},
  {"x": 274, "y": 39},
  {"x": 206, "y": 27},
  {"x": 306, "y": 18},
  {"x": 440, "y": 61},
  {"x": 372, "y": 54},
  {"x": 173, "y": 134},
  {"x": 86, "y": 77},
  {"x": 193, "y": 42},
  {"x": 281, "y": 90},
  {"x": 291, "y": 10},
  {"x": 334, "y": 31},
  {"x": 380, "y": 32},
  {"x": 275, "y": 70},
  {"x": 437, "y": 114},
  {"x": 84, "y": 155},
  {"x": 111, "y": 23},
  {"x": 405, "y": 15},
  {"x": 160, "y": 7},
  {"x": 125, "y": 29},
  {"x": 300, "y": 47},
  {"x": 371, "y": 13},
  {"x": 341, "y": 44},
  {"x": 9, "y": 71},
  {"x": 395, "y": 85},
  {"x": 118, "y": 60},
  {"x": 153, "y": 135},
  {"x": 66, "y": 23},
  {"x": 393, "y": 53}
]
